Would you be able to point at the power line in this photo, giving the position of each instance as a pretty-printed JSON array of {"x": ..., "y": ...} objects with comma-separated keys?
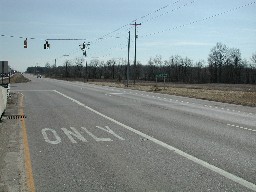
[
  {"x": 65, "y": 39},
  {"x": 180, "y": 7},
  {"x": 99, "y": 39},
  {"x": 204, "y": 19},
  {"x": 161, "y": 8},
  {"x": 140, "y": 18},
  {"x": 152, "y": 18}
]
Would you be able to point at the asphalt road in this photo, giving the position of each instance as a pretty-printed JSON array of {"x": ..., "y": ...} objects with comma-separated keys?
[{"x": 83, "y": 137}]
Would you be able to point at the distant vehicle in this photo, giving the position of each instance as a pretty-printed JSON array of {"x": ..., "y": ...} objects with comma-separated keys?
[{"x": 39, "y": 76}]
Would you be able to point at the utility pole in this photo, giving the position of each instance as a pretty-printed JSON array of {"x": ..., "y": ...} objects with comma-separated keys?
[
  {"x": 86, "y": 71},
  {"x": 128, "y": 64},
  {"x": 66, "y": 70},
  {"x": 135, "y": 26}
]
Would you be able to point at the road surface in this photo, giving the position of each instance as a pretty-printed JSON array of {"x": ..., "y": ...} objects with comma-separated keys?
[{"x": 83, "y": 137}]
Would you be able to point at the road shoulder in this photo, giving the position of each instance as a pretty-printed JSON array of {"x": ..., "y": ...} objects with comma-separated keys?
[{"x": 12, "y": 169}]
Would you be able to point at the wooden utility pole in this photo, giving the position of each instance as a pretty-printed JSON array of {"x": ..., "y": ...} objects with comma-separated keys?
[
  {"x": 86, "y": 71},
  {"x": 128, "y": 64},
  {"x": 135, "y": 71}
]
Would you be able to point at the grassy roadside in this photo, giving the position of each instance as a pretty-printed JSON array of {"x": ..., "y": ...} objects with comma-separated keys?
[
  {"x": 16, "y": 78},
  {"x": 234, "y": 94}
]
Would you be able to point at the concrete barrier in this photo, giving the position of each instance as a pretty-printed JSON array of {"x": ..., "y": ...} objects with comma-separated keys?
[{"x": 3, "y": 99}]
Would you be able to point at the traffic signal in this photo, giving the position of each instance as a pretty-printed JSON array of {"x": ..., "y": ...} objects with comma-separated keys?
[
  {"x": 46, "y": 45},
  {"x": 26, "y": 43}
]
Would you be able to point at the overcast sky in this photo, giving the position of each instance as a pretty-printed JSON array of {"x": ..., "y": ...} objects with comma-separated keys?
[{"x": 165, "y": 32}]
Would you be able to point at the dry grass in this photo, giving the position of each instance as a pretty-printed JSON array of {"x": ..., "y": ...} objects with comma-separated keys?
[
  {"x": 235, "y": 94},
  {"x": 17, "y": 78}
]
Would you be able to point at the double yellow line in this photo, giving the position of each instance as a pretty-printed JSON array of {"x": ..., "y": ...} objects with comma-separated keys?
[{"x": 28, "y": 165}]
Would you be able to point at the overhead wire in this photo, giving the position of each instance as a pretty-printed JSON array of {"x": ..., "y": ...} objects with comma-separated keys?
[
  {"x": 150, "y": 19},
  {"x": 196, "y": 21},
  {"x": 204, "y": 19},
  {"x": 180, "y": 7},
  {"x": 118, "y": 29},
  {"x": 140, "y": 18},
  {"x": 128, "y": 24}
]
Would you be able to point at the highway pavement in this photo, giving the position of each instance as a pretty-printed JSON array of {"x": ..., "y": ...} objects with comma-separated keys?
[{"x": 83, "y": 137}]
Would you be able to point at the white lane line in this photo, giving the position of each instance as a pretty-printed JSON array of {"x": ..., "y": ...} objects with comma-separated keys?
[
  {"x": 209, "y": 166},
  {"x": 29, "y": 90},
  {"x": 116, "y": 93},
  {"x": 240, "y": 127}
]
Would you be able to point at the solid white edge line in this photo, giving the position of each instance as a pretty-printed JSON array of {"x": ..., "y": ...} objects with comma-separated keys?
[{"x": 209, "y": 166}]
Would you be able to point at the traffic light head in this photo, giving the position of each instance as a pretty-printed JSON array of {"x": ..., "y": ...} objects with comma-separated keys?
[
  {"x": 46, "y": 45},
  {"x": 26, "y": 43}
]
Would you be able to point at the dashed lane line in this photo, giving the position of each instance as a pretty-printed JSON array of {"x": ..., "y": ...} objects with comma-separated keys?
[
  {"x": 208, "y": 106},
  {"x": 241, "y": 127}
]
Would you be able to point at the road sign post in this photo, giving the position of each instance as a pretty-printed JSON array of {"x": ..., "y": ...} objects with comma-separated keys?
[{"x": 162, "y": 75}]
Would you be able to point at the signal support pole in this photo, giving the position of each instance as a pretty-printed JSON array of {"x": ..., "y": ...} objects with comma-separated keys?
[
  {"x": 83, "y": 48},
  {"x": 135, "y": 25}
]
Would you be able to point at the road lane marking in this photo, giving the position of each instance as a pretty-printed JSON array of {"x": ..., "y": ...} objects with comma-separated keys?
[
  {"x": 54, "y": 133},
  {"x": 51, "y": 136},
  {"x": 116, "y": 93},
  {"x": 30, "y": 90},
  {"x": 94, "y": 137},
  {"x": 108, "y": 130},
  {"x": 28, "y": 165},
  {"x": 104, "y": 87},
  {"x": 244, "y": 128},
  {"x": 73, "y": 133},
  {"x": 209, "y": 166}
]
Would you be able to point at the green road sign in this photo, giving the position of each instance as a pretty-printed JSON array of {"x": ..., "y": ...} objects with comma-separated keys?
[{"x": 162, "y": 75}]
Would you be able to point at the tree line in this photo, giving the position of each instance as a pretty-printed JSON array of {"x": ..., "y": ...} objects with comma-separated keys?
[{"x": 224, "y": 65}]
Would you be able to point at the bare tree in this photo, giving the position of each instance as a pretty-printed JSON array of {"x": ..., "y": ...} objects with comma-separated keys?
[
  {"x": 216, "y": 60},
  {"x": 253, "y": 58}
]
